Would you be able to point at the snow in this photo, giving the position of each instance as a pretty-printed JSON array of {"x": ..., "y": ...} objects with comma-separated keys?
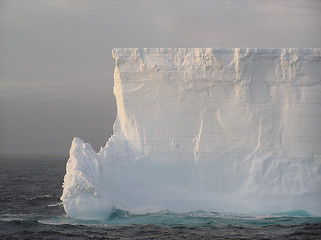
[{"x": 214, "y": 129}]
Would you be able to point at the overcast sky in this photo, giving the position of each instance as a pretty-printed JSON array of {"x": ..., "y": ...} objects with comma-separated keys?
[{"x": 56, "y": 67}]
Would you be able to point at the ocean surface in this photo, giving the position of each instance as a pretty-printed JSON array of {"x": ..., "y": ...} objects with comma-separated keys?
[{"x": 30, "y": 208}]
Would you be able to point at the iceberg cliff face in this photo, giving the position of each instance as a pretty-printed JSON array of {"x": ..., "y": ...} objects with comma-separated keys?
[{"x": 205, "y": 129}]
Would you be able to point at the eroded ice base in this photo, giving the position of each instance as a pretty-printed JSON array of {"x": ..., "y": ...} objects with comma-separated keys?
[{"x": 227, "y": 130}]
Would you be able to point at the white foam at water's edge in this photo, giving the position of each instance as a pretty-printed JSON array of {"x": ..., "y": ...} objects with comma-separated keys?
[
  {"x": 55, "y": 204},
  {"x": 226, "y": 130}
]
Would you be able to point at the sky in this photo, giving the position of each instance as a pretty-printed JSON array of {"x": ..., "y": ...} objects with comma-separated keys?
[{"x": 56, "y": 66}]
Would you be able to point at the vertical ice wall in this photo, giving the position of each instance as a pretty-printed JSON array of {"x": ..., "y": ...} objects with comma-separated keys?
[{"x": 211, "y": 129}]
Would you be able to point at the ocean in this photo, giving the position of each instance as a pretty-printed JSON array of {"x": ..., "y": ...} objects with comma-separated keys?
[{"x": 30, "y": 208}]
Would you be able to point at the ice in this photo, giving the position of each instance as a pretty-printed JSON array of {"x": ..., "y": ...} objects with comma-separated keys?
[{"x": 222, "y": 129}]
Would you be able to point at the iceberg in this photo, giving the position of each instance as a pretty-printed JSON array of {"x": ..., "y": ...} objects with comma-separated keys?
[{"x": 214, "y": 129}]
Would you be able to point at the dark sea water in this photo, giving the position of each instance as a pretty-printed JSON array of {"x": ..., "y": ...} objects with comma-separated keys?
[{"x": 30, "y": 208}]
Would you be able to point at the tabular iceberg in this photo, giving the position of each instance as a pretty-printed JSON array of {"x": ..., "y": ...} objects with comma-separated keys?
[{"x": 222, "y": 129}]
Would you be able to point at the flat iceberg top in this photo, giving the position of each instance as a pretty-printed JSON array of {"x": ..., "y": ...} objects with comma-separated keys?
[
  {"x": 219, "y": 129},
  {"x": 123, "y": 52}
]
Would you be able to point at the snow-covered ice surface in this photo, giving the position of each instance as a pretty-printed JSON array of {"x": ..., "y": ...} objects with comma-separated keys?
[{"x": 222, "y": 129}]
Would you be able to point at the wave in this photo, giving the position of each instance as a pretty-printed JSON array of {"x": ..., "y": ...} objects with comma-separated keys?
[
  {"x": 47, "y": 196},
  {"x": 121, "y": 217},
  {"x": 64, "y": 228},
  {"x": 55, "y": 204},
  {"x": 47, "y": 199}
]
